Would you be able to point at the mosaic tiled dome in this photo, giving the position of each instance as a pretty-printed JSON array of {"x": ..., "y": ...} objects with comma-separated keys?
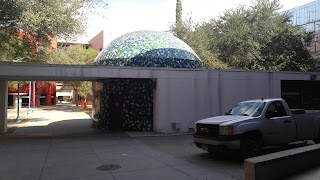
[{"x": 149, "y": 49}]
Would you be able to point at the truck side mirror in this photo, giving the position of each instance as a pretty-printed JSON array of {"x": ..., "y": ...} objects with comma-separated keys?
[{"x": 270, "y": 114}]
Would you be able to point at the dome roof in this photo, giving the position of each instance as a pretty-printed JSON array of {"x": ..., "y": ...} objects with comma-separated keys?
[{"x": 149, "y": 49}]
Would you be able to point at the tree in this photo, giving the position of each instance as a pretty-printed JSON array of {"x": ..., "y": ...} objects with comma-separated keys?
[
  {"x": 179, "y": 24},
  {"x": 85, "y": 90},
  {"x": 37, "y": 21},
  {"x": 255, "y": 38},
  {"x": 196, "y": 36},
  {"x": 315, "y": 63},
  {"x": 76, "y": 54},
  {"x": 259, "y": 38}
]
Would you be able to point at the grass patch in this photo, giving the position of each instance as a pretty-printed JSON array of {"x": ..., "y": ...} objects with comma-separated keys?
[{"x": 13, "y": 121}]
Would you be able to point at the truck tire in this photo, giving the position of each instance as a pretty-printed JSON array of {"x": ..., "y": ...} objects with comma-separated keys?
[
  {"x": 317, "y": 140},
  {"x": 251, "y": 145}
]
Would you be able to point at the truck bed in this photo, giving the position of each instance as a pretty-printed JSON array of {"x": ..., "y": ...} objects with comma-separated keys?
[{"x": 305, "y": 128}]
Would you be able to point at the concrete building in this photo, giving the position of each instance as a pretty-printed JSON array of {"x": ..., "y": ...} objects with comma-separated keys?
[
  {"x": 97, "y": 42},
  {"x": 180, "y": 96},
  {"x": 152, "y": 81},
  {"x": 129, "y": 104}
]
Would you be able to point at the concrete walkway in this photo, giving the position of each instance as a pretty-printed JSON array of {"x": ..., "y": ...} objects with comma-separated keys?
[
  {"x": 59, "y": 143},
  {"x": 52, "y": 121}
]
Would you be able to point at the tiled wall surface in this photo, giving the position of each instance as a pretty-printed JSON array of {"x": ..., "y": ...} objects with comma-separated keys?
[{"x": 135, "y": 98}]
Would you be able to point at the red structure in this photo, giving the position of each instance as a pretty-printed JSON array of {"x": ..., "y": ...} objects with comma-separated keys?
[
  {"x": 45, "y": 94},
  {"x": 96, "y": 42}
]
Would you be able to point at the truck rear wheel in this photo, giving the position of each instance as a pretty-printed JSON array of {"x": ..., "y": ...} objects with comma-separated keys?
[
  {"x": 317, "y": 140},
  {"x": 251, "y": 145}
]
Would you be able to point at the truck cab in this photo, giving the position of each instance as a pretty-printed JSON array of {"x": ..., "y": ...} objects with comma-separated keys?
[{"x": 254, "y": 124}]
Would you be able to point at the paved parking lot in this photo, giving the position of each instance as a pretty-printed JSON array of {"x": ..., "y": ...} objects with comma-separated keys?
[{"x": 59, "y": 143}]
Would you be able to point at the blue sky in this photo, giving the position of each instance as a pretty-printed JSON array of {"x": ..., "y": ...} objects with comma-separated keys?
[{"x": 124, "y": 16}]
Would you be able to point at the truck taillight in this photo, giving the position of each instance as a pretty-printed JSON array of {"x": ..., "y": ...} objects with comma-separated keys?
[{"x": 225, "y": 130}]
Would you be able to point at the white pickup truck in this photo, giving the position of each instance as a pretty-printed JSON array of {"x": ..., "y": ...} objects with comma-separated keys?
[{"x": 251, "y": 125}]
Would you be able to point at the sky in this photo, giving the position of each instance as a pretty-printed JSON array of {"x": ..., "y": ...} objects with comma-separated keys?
[{"x": 124, "y": 16}]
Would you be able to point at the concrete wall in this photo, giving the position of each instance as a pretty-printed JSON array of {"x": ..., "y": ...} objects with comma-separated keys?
[
  {"x": 182, "y": 95},
  {"x": 282, "y": 164},
  {"x": 186, "y": 97}
]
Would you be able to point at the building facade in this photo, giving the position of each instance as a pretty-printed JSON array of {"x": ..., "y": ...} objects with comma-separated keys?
[
  {"x": 45, "y": 92},
  {"x": 308, "y": 16},
  {"x": 49, "y": 93},
  {"x": 97, "y": 42},
  {"x": 127, "y": 104}
]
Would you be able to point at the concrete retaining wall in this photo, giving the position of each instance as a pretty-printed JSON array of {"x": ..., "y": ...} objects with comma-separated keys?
[{"x": 282, "y": 164}]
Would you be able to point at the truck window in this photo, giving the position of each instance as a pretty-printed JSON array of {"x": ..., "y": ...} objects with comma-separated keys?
[
  {"x": 276, "y": 109},
  {"x": 253, "y": 109}
]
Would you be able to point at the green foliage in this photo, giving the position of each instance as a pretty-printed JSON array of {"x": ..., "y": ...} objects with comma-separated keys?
[
  {"x": 76, "y": 54},
  {"x": 13, "y": 85},
  {"x": 14, "y": 49},
  {"x": 197, "y": 36},
  {"x": 41, "y": 20},
  {"x": 62, "y": 18},
  {"x": 259, "y": 38},
  {"x": 69, "y": 99},
  {"x": 198, "y": 39},
  {"x": 255, "y": 38},
  {"x": 85, "y": 89},
  {"x": 314, "y": 63}
]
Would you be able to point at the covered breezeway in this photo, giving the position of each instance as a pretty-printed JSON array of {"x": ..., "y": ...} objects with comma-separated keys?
[
  {"x": 78, "y": 73},
  {"x": 180, "y": 96}
]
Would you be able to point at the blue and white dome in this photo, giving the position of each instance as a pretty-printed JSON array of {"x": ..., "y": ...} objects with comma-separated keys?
[{"x": 149, "y": 49}]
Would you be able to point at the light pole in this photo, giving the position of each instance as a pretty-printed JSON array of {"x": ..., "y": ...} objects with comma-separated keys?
[
  {"x": 34, "y": 96},
  {"x": 18, "y": 108},
  {"x": 29, "y": 98}
]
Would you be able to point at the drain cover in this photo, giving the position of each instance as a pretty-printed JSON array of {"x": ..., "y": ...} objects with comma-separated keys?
[{"x": 108, "y": 167}]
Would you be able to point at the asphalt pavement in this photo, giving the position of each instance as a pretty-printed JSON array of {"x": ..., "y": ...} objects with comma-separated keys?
[{"x": 59, "y": 142}]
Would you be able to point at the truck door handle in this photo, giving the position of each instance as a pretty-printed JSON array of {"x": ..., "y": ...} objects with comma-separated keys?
[{"x": 286, "y": 121}]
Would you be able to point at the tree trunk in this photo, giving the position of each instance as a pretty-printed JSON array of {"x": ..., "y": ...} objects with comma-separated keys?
[
  {"x": 77, "y": 98},
  {"x": 85, "y": 103}
]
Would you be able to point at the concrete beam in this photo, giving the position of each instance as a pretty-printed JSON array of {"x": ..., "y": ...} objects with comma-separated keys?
[
  {"x": 282, "y": 164},
  {"x": 3, "y": 106}
]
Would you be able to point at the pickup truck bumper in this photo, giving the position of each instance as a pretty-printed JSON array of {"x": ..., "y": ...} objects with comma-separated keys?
[{"x": 232, "y": 142}]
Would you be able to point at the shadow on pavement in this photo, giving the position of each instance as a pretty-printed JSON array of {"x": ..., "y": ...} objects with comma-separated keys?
[
  {"x": 235, "y": 156},
  {"x": 63, "y": 107},
  {"x": 81, "y": 128}
]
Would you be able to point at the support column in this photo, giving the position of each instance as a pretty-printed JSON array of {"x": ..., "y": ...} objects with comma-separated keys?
[
  {"x": 3, "y": 106},
  {"x": 15, "y": 102}
]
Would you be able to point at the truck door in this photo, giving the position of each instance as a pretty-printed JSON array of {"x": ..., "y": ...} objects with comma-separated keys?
[{"x": 279, "y": 128}]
